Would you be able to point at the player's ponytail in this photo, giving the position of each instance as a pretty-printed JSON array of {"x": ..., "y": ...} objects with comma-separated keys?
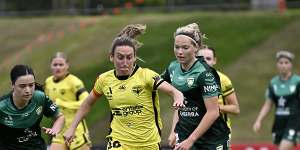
[{"x": 127, "y": 37}]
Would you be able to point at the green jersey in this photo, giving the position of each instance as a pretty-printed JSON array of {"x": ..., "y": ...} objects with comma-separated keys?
[
  {"x": 20, "y": 128},
  {"x": 286, "y": 97},
  {"x": 197, "y": 84}
]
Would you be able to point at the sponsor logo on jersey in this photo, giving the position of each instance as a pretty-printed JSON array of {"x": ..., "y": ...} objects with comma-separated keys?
[
  {"x": 39, "y": 110},
  {"x": 122, "y": 87},
  {"x": 190, "y": 81},
  {"x": 137, "y": 89},
  {"x": 189, "y": 112},
  {"x": 281, "y": 101},
  {"x": 28, "y": 135},
  {"x": 210, "y": 88},
  {"x": 126, "y": 111}
]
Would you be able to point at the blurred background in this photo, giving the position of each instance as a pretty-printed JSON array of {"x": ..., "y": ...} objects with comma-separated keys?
[{"x": 245, "y": 33}]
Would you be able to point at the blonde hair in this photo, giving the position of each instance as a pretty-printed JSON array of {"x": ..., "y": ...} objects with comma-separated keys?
[
  {"x": 285, "y": 54},
  {"x": 193, "y": 32},
  {"x": 60, "y": 55},
  {"x": 127, "y": 37}
]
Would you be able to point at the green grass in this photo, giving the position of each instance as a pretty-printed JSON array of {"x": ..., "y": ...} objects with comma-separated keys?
[{"x": 233, "y": 34}]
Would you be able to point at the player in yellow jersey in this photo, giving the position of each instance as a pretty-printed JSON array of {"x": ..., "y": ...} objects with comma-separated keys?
[
  {"x": 132, "y": 95},
  {"x": 68, "y": 92},
  {"x": 228, "y": 100}
]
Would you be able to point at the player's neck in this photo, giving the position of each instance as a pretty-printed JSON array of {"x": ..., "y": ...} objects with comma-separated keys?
[
  {"x": 18, "y": 102},
  {"x": 286, "y": 76}
]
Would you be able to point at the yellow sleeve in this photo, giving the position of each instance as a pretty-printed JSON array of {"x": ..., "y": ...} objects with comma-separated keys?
[
  {"x": 98, "y": 86},
  {"x": 152, "y": 79},
  {"x": 226, "y": 85}
]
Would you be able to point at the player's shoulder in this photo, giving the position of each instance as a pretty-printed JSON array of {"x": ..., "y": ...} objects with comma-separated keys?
[
  {"x": 106, "y": 75},
  {"x": 4, "y": 99},
  {"x": 223, "y": 77},
  {"x": 275, "y": 79},
  {"x": 49, "y": 79},
  {"x": 72, "y": 78}
]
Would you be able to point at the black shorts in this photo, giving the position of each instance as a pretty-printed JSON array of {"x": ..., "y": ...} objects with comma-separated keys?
[{"x": 286, "y": 134}]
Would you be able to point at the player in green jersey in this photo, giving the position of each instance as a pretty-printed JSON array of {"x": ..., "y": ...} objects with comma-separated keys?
[
  {"x": 68, "y": 92},
  {"x": 283, "y": 92},
  {"x": 22, "y": 110},
  {"x": 132, "y": 95},
  {"x": 198, "y": 125}
]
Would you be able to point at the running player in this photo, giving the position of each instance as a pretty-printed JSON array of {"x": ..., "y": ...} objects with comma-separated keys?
[
  {"x": 22, "y": 110},
  {"x": 68, "y": 92},
  {"x": 198, "y": 125},
  {"x": 132, "y": 95},
  {"x": 283, "y": 92},
  {"x": 228, "y": 102}
]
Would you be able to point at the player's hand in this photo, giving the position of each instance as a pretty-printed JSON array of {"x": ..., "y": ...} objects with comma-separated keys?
[
  {"x": 179, "y": 101},
  {"x": 184, "y": 145},
  {"x": 50, "y": 131},
  {"x": 256, "y": 126},
  {"x": 172, "y": 139},
  {"x": 69, "y": 136}
]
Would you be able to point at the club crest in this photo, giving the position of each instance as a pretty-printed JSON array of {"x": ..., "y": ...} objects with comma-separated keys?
[
  {"x": 292, "y": 88},
  {"x": 190, "y": 81}
]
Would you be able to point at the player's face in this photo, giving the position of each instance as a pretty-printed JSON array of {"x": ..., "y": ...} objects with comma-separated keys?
[
  {"x": 24, "y": 87},
  {"x": 59, "y": 67},
  {"x": 124, "y": 60},
  {"x": 208, "y": 56},
  {"x": 184, "y": 50},
  {"x": 284, "y": 65}
]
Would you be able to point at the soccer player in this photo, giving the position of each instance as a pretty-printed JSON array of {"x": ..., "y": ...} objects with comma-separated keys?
[
  {"x": 283, "y": 92},
  {"x": 132, "y": 95},
  {"x": 68, "y": 92},
  {"x": 22, "y": 110},
  {"x": 228, "y": 102},
  {"x": 198, "y": 125}
]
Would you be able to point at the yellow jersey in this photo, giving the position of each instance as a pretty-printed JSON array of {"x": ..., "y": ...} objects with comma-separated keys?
[
  {"x": 134, "y": 106},
  {"x": 226, "y": 89},
  {"x": 68, "y": 94}
]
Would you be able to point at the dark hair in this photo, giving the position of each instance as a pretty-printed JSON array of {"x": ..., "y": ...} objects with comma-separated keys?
[
  {"x": 123, "y": 41},
  {"x": 213, "y": 50},
  {"x": 20, "y": 70}
]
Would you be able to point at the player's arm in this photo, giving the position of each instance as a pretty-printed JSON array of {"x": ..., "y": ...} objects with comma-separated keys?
[
  {"x": 173, "y": 92},
  {"x": 262, "y": 114},
  {"x": 80, "y": 114},
  {"x": 172, "y": 137},
  {"x": 58, "y": 124},
  {"x": 232, "y": 105}
]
